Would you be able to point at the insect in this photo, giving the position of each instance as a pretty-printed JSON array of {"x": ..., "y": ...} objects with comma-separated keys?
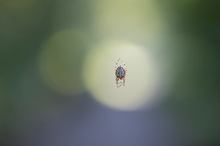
[{"x": 120, "y": 73}]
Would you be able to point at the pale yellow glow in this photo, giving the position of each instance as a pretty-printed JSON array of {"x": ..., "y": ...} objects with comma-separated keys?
[
  {"x": 131, "y": 19},
  {"x": 142, "y": 77},
  {"x": 60, "y": 61}
]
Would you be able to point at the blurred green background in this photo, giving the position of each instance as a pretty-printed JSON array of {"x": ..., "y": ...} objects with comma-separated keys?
[{"x": 43, "y": 45}]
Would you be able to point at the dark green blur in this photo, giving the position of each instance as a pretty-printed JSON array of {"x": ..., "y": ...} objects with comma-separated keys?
[{"x": 192, "y": 40}]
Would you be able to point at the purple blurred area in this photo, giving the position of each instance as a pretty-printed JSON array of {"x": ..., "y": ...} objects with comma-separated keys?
[
  {"x": 88, "y": 123},
  {"x": 49, "y": 105}
]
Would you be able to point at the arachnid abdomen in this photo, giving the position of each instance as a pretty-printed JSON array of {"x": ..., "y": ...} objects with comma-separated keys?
[{"x": 120, "y": 72}]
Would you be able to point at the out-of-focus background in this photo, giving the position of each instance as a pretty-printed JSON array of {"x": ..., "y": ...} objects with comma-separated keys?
[{"x": 57, "y": 65}]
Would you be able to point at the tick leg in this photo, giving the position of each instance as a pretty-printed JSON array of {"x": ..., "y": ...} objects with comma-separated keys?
[
  {"x": 123, "y": 81},
  {"x": 119, "y": 85},
  {"x": 116, "y": 81}
]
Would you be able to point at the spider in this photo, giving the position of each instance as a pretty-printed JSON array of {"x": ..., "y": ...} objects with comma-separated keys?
[{"x": 120, "y": 73}]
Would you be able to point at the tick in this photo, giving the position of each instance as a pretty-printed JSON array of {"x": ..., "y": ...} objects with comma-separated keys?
[{"x": 120, "y": 73}]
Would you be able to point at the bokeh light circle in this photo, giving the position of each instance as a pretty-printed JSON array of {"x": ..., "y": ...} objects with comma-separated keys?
[
  {"x": 138, "y": 20},
  {"x": 142, "y": 79},
  {"x": 61, "y": 60}
]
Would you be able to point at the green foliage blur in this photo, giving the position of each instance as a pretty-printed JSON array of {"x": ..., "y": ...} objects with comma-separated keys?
[{"x": 192, "y": 50}]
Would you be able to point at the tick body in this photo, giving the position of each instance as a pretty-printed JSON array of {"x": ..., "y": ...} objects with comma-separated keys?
[{"x": 120, "y": 74}]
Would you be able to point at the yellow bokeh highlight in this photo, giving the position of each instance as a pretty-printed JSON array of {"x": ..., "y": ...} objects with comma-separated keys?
[
  {"x": 61, "y": 61},
  {"x": 128, "y": 19},
  {"x": 142, "y": 79}
]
